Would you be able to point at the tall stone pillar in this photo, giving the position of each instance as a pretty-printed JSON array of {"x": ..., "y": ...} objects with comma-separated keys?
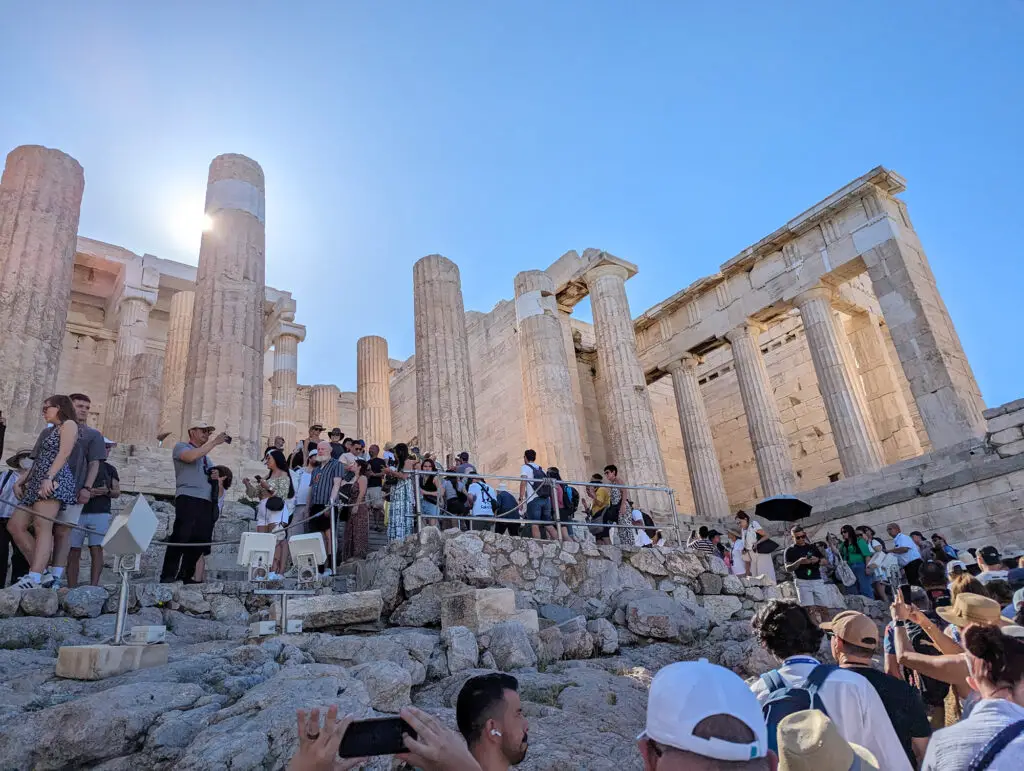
[
  {"x": 373, "y": 390},
  {"x": 445, "y": 410},
  {"x": 284, "y": 382},
  {"x": 132, "y": 329},
  {"x": 709, "y": 497},
  {"x": 40, "y": 201},
  {"x": 224, "y": 378},
  {"x": 323, "y": 406},
  {"x": 179, "y": 326},
  {"x": 885, "y": 401},
  {"x": 141, "y": 417},
  {"x": 565, "y": 322},
  {"x": 767, "y": 435},
  {"x": 552, "y": 428},
  {"x": 851, "y": 428},
  {"x": 627, "y": 403}
]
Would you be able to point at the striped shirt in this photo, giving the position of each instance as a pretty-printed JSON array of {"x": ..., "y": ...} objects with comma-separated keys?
[
  {"x": 322, "y": 481},
  {"x": 703, "y": 545}
]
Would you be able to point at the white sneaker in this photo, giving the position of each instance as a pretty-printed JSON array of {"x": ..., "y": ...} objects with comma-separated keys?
[
  {"x": 50, "y": 581},
  {"x": 327, "y": 573},
  {"x": 25, "y": 583}
]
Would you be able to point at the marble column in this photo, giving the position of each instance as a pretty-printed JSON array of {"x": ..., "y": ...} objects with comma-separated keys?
[
  {"x": 373, "y": 390},
  {"x": 132, "y": 330},
  {"x": 565, "y": 322},
  {"x": 141, "y": 416},
  {"x": 179, "y": 326},
  {"x": 767, "y": 435},
  {"x": 626, "y": 401},
  {"x": 552, "y": 428},
  {"x": 40, "y": 201},
  {"x": 284, "y": 382},
  {"x": 445, "y": 408},
  {"x": 852, "y": 431},
  {"x": 709, "y": 498},
  {"x": 323, "y": 406},
  {"x": 889, "y": 410},
  {"x": 224, "y": 374}
]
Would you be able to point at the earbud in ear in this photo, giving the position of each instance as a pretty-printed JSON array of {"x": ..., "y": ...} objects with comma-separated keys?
[{"x": 495, "y": 732}]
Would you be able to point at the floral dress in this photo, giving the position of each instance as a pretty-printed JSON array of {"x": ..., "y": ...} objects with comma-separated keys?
[
  {"x": 63, "y": 482},
  {"x": 400, "y": 513}
]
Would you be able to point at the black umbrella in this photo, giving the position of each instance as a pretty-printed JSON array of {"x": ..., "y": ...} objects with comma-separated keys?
[{"x": 782, "y": 508}]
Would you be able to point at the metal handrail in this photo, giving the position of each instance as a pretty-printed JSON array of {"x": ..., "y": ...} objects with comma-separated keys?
[{"x": 478, "y": 475}]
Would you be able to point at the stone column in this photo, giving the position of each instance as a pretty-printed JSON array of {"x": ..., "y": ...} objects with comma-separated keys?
[
  {"x": 141, "y": 416},
  {"x": 284, "y": 382},
  {"x": 323, "y": 406},
  {"x": 709, "y": 498},
  {"x": 179, "y": 325},
  {"x": 851, "y": 429},
  {"x": 373, "y": 390},
  {"x": 627, "y": 403},
  {"x": 565, "y": 322},
  {"x": 40, "y": 201},
  {"x": 885, "y": 401},
  {"x": 552, "y": 428},
  {"x": 132, "y": 330},
  {"x": 445, "y": 409},
  {"x": 767, "y": 435},
  {"x": 224, "y": 379}
]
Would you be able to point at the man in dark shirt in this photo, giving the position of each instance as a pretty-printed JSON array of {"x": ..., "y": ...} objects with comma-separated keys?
[
  {"x": 375, "y": 487},
  {"x": 803, "y": 560},
  {"x": 95, "y": 517},
  {"x": 508, "y": 509},
  {"x": 854, "y": 640}
]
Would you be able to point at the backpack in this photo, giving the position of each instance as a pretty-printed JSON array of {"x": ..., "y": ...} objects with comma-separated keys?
[
  {"x": 784, "y": 699},
  {"x": 486, "y": 490},
  {"x": 933, "y": 692},
  {"x": 542, "y": 489},
  {"x": 571, "y": 498}
]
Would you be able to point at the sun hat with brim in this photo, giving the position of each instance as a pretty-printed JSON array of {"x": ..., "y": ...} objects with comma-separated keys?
[
  {"x": 971, "y": 608},
  {"x": 15, "y": 460},
  {"x": 1013, "y": 630},
  {"x": 809, "y": 741},
  {"x": 202, "y": 425}
]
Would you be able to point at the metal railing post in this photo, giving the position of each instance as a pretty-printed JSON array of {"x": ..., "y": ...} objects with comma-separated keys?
[
  {"x": 416, "y": 502},
  {"x": 334, "y": 541},
  {"x": 675, "y": 517},
  {"x": 122, "y": 603}
]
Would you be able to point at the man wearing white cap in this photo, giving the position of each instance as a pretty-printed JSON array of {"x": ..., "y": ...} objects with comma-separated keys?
[
  {"x": 96, "y": 517},
  {"x": 703, "y": 717}
]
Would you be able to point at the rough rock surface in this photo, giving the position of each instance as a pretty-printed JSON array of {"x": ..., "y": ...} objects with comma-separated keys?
[{"x": 85, "y": 601}]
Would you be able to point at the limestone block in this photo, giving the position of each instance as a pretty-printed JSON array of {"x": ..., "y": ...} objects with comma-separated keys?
[
  {"x": 685, "y": 563},
  {"x": 462, "y": 649},
  {"x": 509, "y": 644},
  {"x": 1007, "y": 435},
  {"x": 710, "y": 583},
  {"x": 97, "y": 662},
  {"x": 649, "y": 561},
  {"x": 150, "y": 595},
  {"x": 420, "y": 573},
  {"x": 606, "y": 637},
  {"x": 1008, "y": 420},
  {"x": 85, "y": 601},
  {"x": 334, "y": 610},
  {"x": 733, "y": 585},
  {"x": 721, "y": 607},
  {"x": 478, "y": 608},
  {"x": 550, "y": 647},
  {"x": 40, "y": 602},
  {"x": 10, "y": 601},
  {"x": 465, "y": 560},
  {"x": 1013, "y": 448},
  {"x": 388, "y": 684}
]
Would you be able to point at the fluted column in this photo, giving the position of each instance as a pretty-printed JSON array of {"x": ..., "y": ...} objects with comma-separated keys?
[
  {"x": 627, "y": 403},
  {"x": 445, "y": 408},
  {"x": 132, "y": 330},
  {"x": 323, "y": 406},
  {"x": 709, "y": 496},
  {"x": 851, "y": 428},
  {"x": 551, "y": 425},
  {"x": 179, "y": 326},
  {"x": 565, "y": 323},
  {"x": 224, "y": 380},
  {"x": 40, "y": 201},
  {"x": 284, "y": 382},
  {"x": 373, "y": 390},
  {"x": 767, "y": 436},
  {"x": 141, "y": 415}
]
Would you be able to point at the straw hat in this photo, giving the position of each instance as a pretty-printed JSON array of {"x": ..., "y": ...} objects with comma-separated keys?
[
  {"x": 15, "y": 460},
  {"x": 809, "y": 741},
  {"x": 973, "y": 609}
]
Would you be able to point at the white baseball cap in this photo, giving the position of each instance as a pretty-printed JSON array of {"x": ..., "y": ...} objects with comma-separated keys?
[
  {"x": 687, "y": 692},
  {"x": 952, "y": 565}
]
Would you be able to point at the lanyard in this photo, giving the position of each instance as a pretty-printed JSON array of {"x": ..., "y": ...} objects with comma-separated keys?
[{"x": 800, "y": 660}]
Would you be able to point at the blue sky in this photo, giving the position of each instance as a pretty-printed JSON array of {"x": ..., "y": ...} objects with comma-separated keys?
[{"x": 502, "y": 134}]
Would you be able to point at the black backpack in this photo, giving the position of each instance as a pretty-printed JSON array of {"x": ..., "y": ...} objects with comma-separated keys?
[
  {"x": 571, "y": 498},
  {"x": 542, "y": 487},
  {"x": 486, "y": 490},
  {"x": 933, "y": 692}
]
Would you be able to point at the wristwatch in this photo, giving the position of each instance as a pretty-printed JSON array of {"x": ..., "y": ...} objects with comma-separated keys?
[{"x": 901, "y": 623}]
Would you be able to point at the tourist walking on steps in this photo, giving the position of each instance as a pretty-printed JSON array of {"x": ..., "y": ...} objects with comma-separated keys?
[
  {"x": 19, "y": 462},
  {"x": 375, "y": 487},
  {"x": 876, "y": 566},
  {"x": 277, "y": 484},
  {"x": 567, "y": 499},
  {"x": 537, "y": 495},
  {"x": 301, "y": 476},
  {"x": 907, "y": 554},
  {"x": 47, "y": 487},
  {"x": 428, "y": 493},
  {"x": 194, "y": 506},
  {"x": 400, "y": 511},
  {"x": 324, "y": 487},
  {"x": 856, "y": 552},
  {"x": 356, "y": 541},
  {"x": 804, "y": 560},
  {"x": 619, "y": 511},
  {"x": 753, "y": 535},
  {"x": 96, "y": 518}
]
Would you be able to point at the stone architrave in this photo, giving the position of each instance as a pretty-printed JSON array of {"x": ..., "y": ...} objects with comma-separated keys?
[
  {"x": 284, "y": 381},
  {"x": 445, "y": 409},
  {"x": 373, "y": 390},
  {"x": 179, "y": 326},
  {"x": 767, "y": 436},
  {"x": 709, "y": 498},
  {"x": 323, "y": 406},
  {"x": 141, "y": 416},
  {"x": 852, "y": 430},
  {"x": 886, "y": 403},
  {"x": 40, "y": 202},
  {"x": 132, "y": 330},
  {"x": 552, "y": 428},
  {"x": 632, "y": 434},
  {"x": 224, "y": 374}
]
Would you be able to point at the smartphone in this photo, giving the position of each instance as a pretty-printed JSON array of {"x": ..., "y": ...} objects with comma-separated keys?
[
  {"x": 905, "y": 593},
  {"x": 375, "y": 736}
]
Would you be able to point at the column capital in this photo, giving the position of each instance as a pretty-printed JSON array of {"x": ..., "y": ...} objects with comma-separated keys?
[
  {"x": 140, "y": 293},
  {"x": 748, "y": 328},
  {"x": 283, "y": 328},
  {"x": 606, "y": 267},
  {"x": 817, "y": 292},
  {"x": 688, "y": 361}
]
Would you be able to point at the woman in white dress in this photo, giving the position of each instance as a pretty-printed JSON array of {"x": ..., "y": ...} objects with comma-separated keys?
[
  {"x": 739, "y": 567},
  {"x": 751, "y": 535}
]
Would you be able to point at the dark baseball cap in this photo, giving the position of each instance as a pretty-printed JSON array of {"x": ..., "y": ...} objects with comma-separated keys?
[
  {"x": 713, "y": 533},
  {"x": 990, "y": 555}
]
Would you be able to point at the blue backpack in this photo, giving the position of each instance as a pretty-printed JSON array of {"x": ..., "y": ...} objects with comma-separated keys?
[{"x": 784, "y": 699}]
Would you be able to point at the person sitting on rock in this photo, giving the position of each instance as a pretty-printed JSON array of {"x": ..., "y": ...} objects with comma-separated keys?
[{"x": 490, "y": 718}]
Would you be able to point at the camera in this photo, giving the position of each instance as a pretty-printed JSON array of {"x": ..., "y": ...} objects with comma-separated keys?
[{"x": 227, "y": 440}]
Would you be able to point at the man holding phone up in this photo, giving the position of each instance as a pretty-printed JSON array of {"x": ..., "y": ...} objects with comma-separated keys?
[{"x": 803, "y": 560}]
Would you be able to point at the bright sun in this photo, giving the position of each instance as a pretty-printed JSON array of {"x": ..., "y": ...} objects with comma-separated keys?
[
  {"x": 188, "y": 222},
  {"x": 207, "y": 222}
]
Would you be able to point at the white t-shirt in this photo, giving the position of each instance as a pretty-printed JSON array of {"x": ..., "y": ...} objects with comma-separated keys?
[
  {"x": 739, "y": 567},
  {"x": 641, "y": 538},
  {"x": 526, "y": 472},
  {"x": 901, "y": 540},
  {"x": 992, "y": 575},
  {"x": 300, "y": 481},
  {"x": 481, "y": 503},
  {"x": 749, "y": 535}
]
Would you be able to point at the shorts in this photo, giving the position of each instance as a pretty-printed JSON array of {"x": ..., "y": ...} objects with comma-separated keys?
[
  {"x": 70, "y": 513},
  {"x": 539, "y": 508},
  {"x": 265, "y": 517},
  {"x": 299, "y": 513},
  {"x": 428, "y": 508},
  {"x": 375, "y": 497},
  {"x": 98, "y": 522},
  {"x": 810, "y": 592},
  {"x": 321, "y": 524}
]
